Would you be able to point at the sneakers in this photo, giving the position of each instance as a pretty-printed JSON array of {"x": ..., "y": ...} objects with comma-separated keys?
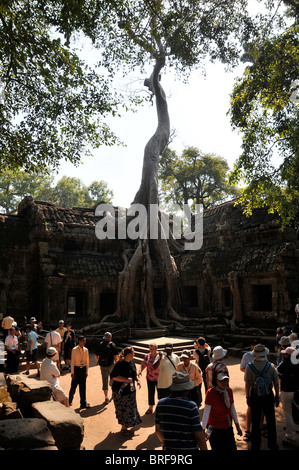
[{"x": 87, "y": 405}]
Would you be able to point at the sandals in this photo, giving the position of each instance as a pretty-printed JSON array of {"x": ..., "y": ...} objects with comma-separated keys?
[
  {"x": 149, "y": 412},
  {"x": 247, "y": 436}
]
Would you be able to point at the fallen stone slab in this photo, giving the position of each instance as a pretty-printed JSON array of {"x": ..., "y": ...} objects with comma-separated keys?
[
  {"x": 25, "y": 434},
  {"x": 66, "y": 426},
  {"x": 26, "y": 390}
]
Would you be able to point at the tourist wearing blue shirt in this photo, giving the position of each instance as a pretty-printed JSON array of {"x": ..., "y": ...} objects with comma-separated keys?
[{"x": 31, "y": 349}]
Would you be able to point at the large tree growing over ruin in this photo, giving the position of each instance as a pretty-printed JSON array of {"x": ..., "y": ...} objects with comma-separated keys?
[
  {"x": 162, "y": 34},
  {"x": 181, "y": 35}
]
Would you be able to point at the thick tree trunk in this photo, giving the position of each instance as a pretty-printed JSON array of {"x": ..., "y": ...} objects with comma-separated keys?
[{"x": 138, "y": 271}]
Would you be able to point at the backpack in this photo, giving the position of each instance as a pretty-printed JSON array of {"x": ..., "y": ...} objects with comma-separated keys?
[
  {"x": 106, "y": 354},
  {"x": 203, "y": 359},
  {"x": 262, "y": 382}
]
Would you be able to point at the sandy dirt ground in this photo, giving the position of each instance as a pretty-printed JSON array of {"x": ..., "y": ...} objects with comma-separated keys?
[{"x": 102, "y": 431}]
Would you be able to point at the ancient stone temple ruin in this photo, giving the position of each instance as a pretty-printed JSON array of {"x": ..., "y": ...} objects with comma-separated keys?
[{"x": 53, "y": 266}]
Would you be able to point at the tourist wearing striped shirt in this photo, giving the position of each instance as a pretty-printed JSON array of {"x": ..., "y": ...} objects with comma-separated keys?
[{"x": 177, "y": 420}]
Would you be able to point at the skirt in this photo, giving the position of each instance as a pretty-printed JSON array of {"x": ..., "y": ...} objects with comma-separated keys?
[{"x": 126, "y": 409}]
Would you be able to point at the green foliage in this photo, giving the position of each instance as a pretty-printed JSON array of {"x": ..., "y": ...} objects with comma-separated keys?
[
  {"x": 15, "y": 185},
  {"x": 71, "y": 192},
  {"x": 68, "y": 192},
  {"x": 265, "y": 108},
  {"x": 185, "y": 32},
  {"x": 195, "y": 175},
  {"x": 52, "y": 105}
]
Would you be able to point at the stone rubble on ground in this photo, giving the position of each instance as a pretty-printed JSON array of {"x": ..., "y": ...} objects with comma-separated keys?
[{"x": 31, "y": 419}]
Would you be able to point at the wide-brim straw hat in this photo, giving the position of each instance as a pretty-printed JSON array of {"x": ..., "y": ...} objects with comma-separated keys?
[
  {"x": 181, "y": 381},
  {"x": 285, "y": 341},
  {"x": 218, "y": 353},
  {"x": 260, "y": 350}
]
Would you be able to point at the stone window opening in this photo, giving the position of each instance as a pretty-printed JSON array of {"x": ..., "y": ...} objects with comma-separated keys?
[
  {"x": 75, "y": 304},
  {"x": 261, "y": 298}
]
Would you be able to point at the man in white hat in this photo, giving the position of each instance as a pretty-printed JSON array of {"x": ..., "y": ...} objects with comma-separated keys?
[
  {"x": 217, "y": 365},
  {"x": 260, "y": 377},
  {"x": 177, "y": 420},
  {"x": 50, "y": 372}
]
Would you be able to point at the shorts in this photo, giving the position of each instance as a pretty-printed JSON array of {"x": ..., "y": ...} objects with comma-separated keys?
[
  {"x": 106, "y": 371},
  {"x": 31, "y": 357},
  {"x": 58, "y": 393}
]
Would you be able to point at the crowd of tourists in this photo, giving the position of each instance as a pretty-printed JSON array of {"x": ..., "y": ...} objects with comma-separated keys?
[{"x": 177, "y": 386}]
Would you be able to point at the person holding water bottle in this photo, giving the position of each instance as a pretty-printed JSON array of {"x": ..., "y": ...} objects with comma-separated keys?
[{"x": 124, "y": 375}]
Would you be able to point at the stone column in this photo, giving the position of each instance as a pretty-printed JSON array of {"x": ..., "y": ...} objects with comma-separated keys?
[{"x": 237, "y": 301}]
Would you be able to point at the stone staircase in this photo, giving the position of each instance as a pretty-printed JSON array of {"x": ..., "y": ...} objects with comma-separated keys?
[
  {"x": 236, "y": 344},
  {"x": 141, "y": 346}
]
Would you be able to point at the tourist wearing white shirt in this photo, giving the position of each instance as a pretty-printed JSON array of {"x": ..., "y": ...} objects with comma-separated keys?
[
  {"x": 53, "y": 339},
  {"x": 12, "y": 349},
  {"x": 49, "y": 371},
  {"x": 167, "y": 363}
]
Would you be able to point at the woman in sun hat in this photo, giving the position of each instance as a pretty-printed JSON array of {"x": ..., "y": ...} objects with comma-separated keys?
[
  {"x": 219, "y": 412},
  {"x": 217, "y": 365}
]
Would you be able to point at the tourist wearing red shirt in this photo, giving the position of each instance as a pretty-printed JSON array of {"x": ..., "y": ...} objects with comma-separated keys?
[{"x": 219, "y": 412}]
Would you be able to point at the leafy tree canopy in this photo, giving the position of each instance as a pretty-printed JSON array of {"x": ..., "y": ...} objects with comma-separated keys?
[
  {"x": 67, "y": 192},
  {"x": 71, "y": 192},
  {"x": 52, "y": 105},
  {"x": 203, "y": 178},
  {"x": 265, "y": 108}
]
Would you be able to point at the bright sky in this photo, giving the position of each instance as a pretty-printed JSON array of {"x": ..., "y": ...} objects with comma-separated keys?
[{"x": 198, "y": 115}]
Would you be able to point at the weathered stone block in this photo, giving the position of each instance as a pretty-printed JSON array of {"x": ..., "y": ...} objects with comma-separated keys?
[
  {"x": 66, "y": 426},
  {"x": 25, "y": 434},
  {"x": 35, "y": 390},
  {"x": 25, "y": 390}
]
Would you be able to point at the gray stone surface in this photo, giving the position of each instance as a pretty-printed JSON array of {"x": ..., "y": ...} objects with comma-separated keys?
[
  {"x": 27, "y": 390},
  {"x": 66, "y": 426},
  {"x": 25, "y": 434}
]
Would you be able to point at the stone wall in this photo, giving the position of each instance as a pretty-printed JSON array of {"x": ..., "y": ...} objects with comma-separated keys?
[{"x": 51, "y": 261}]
